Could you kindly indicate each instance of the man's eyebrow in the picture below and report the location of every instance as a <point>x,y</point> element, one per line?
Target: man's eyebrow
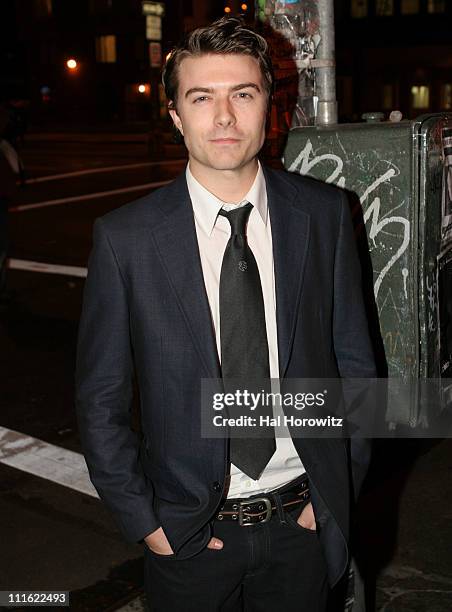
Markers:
<point>210,90</point>
<point>244,86</point>
<point>198,89</point>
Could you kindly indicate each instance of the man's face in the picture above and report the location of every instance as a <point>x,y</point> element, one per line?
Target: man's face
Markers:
<point>221,110</point>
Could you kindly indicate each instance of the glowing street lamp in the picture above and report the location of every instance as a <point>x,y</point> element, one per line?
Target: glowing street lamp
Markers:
<point>227,9</point>
<point>71,64</point>
<point>244,7</point>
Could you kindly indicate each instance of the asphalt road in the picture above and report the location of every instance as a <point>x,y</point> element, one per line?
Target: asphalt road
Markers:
<point>55,537</point>
<point>55,533</point>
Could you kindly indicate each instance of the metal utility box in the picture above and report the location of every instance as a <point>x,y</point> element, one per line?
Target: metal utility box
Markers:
<point>399,176</point>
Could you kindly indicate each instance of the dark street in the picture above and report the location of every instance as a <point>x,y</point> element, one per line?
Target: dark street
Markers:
<point>42,508</point>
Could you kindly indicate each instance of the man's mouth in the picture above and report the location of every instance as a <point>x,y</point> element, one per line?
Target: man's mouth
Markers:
<point>225,141</point>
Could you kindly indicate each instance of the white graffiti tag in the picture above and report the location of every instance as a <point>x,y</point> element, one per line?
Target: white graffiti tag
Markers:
<point>307,159</point>
<point>303,164</point>
<point>375,228</point>
<point>432,291</point>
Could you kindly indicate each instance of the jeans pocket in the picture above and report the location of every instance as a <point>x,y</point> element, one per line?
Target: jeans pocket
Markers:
<point>291,517</point>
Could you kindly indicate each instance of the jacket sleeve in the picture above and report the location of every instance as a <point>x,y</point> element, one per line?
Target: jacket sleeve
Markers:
<point>104,390</point>
<point>352,346</point>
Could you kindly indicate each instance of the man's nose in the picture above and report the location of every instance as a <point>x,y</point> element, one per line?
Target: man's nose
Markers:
<point>224,113</point>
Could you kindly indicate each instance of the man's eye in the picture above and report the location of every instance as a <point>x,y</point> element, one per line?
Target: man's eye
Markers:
<point>200,99</point>
<point>244,95</point>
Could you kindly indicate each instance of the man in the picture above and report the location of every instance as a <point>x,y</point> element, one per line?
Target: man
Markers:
<point>176,281</point>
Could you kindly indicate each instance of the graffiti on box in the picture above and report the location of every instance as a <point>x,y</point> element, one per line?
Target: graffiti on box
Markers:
<point>380,224</point>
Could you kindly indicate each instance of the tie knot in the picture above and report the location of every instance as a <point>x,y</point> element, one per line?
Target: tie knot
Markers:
<point>237,218</point>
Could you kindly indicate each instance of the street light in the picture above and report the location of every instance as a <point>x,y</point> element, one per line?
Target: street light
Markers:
<point>142,89</point>
<point>227,9</point>
<point>244,7</point>
<point>71,64</point>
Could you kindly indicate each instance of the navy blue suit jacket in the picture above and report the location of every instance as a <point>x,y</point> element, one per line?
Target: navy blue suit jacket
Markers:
<point>146,310</point>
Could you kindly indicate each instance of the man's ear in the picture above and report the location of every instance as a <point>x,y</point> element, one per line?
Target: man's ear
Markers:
<point>176,120</point>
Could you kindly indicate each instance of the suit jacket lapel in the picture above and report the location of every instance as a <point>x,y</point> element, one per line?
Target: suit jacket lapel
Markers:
<point>290,236</point>
<point>175,238</point>
<point>177,244</point>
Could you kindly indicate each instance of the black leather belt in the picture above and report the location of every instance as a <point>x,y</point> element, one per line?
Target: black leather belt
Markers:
<point>251,510</point>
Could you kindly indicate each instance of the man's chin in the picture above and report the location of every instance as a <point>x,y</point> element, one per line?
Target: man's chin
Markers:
<point>231,164</point>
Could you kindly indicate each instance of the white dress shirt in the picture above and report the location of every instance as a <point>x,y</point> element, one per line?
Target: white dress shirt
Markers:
<point>213,232</point>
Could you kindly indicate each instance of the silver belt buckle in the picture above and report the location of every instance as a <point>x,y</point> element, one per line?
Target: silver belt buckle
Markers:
<point>245,521</point>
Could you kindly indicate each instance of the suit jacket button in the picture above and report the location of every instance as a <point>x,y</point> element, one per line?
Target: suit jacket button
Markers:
<point>216,486</point>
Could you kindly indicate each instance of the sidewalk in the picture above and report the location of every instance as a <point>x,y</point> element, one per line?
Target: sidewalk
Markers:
<point>405,532</point>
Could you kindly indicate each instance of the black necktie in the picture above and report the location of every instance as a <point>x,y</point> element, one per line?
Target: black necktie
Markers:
<point>244,346</point>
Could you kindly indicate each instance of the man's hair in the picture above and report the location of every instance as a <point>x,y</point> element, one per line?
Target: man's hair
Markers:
<point>227,35</point>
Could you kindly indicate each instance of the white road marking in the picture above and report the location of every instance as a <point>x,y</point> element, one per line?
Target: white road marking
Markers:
<point>38,266</point>
<point>55,177</point>
<point>88,196</point>
<point>45,460</point>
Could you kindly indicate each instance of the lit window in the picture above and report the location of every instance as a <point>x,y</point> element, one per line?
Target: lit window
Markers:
<point>359,8</point>
<point>420,96</point>
<point>436,6</point>
<point>446,96</point>
<point>409,7</point>
<point>106,49</point>
<point>388,96</point>
<point>384,8</point>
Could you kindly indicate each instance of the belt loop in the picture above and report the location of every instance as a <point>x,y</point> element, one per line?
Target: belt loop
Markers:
<point>279,508</point>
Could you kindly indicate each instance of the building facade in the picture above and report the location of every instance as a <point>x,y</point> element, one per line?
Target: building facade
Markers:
<point>91,60</point>
<point>393,55</point>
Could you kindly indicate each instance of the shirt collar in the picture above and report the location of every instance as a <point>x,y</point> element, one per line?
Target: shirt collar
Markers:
<point>206,206</point>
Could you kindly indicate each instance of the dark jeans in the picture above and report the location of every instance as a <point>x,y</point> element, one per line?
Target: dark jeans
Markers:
<point>261,568</point>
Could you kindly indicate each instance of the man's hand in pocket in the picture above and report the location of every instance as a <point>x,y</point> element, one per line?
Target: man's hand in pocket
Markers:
<point>158,542</point>
<point>215,544</point>
<point>307,518</point>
